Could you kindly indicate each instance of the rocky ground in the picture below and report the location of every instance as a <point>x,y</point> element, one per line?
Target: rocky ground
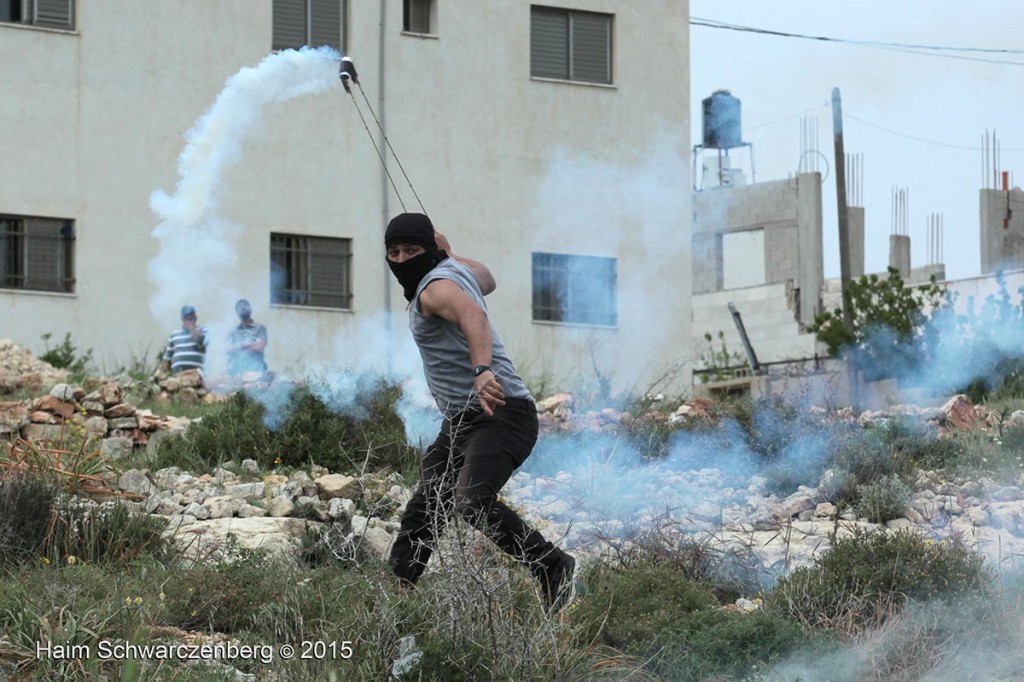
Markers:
<point>591,505</point>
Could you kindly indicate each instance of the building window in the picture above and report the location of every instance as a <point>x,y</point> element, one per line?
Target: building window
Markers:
<point>308,22</point>
<point>418,16</point>
<point>570,45</point>
<point>313,271</point>
<point>45,13</point>
<point>576,289</point>
<point>37,254</point>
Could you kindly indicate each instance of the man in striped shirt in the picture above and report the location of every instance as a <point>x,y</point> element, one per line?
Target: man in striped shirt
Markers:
<point>186,349</point>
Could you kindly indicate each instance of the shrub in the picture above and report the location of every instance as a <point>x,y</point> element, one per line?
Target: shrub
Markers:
<point>719,644</point>
<point>112,533</point>
<point>234,429</point>
<point>26,505</point>
<point>221,596</point>
<point>883,500</point>
<point>637,606</point>
<point>650,433</point>
<point>889,331</point>
<point>65,355</point>
<point>865,577</point>
<point>37,521</point>
<point>838,486</point>
<point>309,432</point>
<point>792,444</point>
<point>872,454</point>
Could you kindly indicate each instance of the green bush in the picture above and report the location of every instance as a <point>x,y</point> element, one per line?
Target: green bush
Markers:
<point>109,534</point>
<point>866,577</point>
<point>650,433</point>
<point>883,500</point>
<point>221,596</point>
<point>309,432</point>
<point>715,644</point>
<point>793,445</point>
<point>889,332</point>
<point>38,522</point>
<point>629,610</point>
<point>65,355</point>
<point>872,454</point>
<point>839,486</point>
<point>25,516</point>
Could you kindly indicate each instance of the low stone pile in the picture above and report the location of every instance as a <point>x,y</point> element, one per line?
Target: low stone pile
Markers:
<point>270,511</point>
<point>187,385</point>
<point>100,415</point>
<point>588,506</point>
<point>20,369</point>
<point>558,413</point>
<point>733,514</point>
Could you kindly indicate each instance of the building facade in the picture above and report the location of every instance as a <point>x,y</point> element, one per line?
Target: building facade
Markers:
<point>549,141</point>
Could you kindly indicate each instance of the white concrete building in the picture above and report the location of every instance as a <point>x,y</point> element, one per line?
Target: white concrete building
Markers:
<point>548,140</point>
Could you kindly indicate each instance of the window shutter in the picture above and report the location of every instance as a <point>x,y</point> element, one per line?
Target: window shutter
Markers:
<point>416,14</point>
<point>549,44</point>
<point>54,13</point>
<point>43,245</point>
<point>325,23</point>
<point>591,43</point>
<point>289,24</point>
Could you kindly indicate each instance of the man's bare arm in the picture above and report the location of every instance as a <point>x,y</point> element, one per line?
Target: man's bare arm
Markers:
<point>443,298</point>
<point>481,272</point>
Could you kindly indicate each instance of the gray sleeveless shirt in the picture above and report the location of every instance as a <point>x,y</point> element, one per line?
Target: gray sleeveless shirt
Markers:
<point>445,350</point>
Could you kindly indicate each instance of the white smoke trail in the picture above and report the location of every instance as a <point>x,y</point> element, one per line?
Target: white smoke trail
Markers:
<point>197,247</point>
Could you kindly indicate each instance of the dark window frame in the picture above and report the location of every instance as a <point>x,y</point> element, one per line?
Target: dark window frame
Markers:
<point>312,32</point>
<point>301,265</point>
<point>32,245</point>
<point>573,289</point>
<point>573,55</point>
<point>419,16</point>
<point>57,14</point>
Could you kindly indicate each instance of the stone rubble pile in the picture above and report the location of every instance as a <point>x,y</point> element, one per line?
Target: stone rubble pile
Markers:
<point>69,411</point>
<point>586,509</point>
<point>270,511</point>
<point>734,513</point>
<point>20,369</point>
<point>731,514</point>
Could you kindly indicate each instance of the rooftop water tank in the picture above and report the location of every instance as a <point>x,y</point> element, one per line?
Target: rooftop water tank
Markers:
<point>722,121</point>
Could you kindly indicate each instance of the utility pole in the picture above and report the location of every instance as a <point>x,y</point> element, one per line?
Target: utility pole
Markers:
<point>844,234</point>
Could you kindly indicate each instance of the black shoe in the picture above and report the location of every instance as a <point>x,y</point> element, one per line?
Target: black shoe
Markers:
<point>559,584</point>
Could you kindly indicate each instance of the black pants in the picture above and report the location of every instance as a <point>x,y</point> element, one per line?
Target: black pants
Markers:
<point>463,470</point>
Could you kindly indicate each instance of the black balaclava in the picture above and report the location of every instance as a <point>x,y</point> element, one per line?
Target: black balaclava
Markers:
<point>243,310</point>
<point>413,228</point>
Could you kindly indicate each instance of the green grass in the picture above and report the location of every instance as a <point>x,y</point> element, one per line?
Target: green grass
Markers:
<point>654,609</point>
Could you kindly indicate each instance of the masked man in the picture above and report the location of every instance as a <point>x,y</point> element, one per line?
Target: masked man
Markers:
<point>490,420</point>
<point>247,342</point>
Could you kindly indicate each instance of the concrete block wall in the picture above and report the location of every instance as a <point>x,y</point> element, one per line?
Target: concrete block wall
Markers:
<point>782,251</point>
<point>789,213</point>
<point>707,263</point>
<point>767,316</point>
<point>1002,243</point>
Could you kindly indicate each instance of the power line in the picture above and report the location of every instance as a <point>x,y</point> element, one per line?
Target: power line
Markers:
<point>913,48</point>
<point>786,118</point>
<point>949,145</point>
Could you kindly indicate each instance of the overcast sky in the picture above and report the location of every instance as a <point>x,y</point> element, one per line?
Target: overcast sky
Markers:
<point>948,103</point>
